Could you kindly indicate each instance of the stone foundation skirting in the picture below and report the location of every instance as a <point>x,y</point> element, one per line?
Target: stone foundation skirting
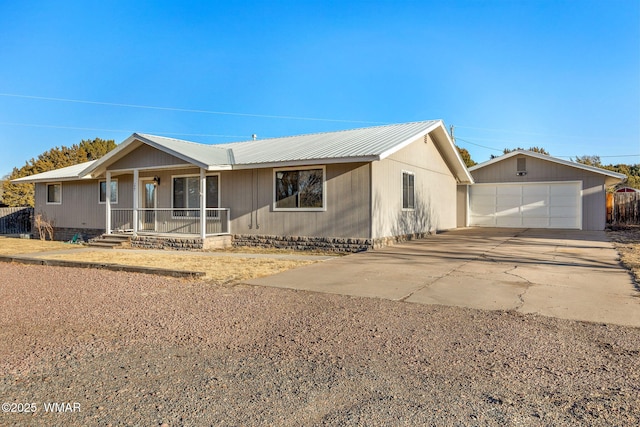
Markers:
<point>64,234</point>
<point>299,243</point>
<point>180,243</point>
<point>162,242</point>
<point>329,244</point>
<point>392,240</point>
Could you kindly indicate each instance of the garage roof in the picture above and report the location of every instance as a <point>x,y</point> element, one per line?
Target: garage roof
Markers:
<point>610,174</point>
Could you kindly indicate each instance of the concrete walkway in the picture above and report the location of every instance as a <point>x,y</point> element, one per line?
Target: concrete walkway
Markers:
<point>559,273</point>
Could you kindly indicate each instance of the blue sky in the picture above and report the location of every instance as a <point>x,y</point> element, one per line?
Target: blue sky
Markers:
<point>564,75</point>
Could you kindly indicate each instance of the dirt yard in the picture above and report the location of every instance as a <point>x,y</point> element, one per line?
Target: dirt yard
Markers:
<point>217,267</point>
<point>135,349</point>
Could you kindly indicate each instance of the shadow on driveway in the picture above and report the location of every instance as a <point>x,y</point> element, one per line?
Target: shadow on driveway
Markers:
<point>568,274</point>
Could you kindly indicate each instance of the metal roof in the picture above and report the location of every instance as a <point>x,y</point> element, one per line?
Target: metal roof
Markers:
<point>190,151</point>
<point>63,174</point>
<point>548,158</point>
<point>355,145</point>
<point>366,143</point>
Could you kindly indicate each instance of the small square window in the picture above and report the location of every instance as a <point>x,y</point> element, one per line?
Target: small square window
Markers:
<point>54,194</point>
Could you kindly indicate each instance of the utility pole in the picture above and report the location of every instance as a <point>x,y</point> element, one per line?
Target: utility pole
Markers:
<point>453,138</point>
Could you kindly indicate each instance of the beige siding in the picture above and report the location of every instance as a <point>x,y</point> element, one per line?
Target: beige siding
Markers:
<point>146,156</point>
<point>435,188</point>
<point>164,191</point>
<point>462,203</point>
<point>538,170</point>
<point>79,208</point>
<point>249,194</point>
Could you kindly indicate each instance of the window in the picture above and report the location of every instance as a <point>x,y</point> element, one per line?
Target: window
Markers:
<point>408,191</point>
<point>186,194</point>
<point>299,189</point>
<point>114,191</point>
<point>54,194</point>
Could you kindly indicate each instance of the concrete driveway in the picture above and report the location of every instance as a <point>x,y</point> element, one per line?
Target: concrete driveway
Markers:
<point>559,273</point>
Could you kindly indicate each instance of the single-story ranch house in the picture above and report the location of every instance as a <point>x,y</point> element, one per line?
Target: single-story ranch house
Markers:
<point>348,190</point>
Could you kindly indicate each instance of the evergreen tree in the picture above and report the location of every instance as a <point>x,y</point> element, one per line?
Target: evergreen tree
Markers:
<point>56,158</point>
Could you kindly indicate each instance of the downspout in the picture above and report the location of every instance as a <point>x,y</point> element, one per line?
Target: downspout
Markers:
<point>251,213</point>
<point>136,197</point>
<point>257,198</point>
<point>108,203</point>
<point>203,205</point>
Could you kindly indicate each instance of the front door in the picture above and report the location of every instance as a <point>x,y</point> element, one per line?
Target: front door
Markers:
<point>149,199</point>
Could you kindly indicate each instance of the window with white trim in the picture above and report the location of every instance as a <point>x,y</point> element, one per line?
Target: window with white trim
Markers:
<point>299,189</point>
<point>186,194</point>
<point>54,193</point>
<point>408,191</point>
<point>103,191</point>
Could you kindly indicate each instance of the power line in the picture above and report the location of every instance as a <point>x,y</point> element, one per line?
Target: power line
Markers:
<point>525,132</point>
<point>185,110</point>
<point>120,130</point>
<point>478,145</point>
<point>496,149</point>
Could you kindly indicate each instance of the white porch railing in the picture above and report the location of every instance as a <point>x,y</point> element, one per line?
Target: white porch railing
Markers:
<point>171,221</point>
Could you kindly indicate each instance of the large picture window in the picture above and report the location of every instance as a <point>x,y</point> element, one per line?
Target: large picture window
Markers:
<point>114,191</point>
<point>299,189</point>
<point>54,194</point>
<point>408,191</point>
<point>186,194</point>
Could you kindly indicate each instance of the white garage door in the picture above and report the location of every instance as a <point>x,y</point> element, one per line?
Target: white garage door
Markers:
<point>531,205</point>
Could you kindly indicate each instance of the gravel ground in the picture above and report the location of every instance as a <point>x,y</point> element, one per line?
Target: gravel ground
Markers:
<point>135,349</point>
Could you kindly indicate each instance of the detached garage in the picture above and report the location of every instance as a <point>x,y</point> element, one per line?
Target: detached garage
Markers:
<point>532,190</point>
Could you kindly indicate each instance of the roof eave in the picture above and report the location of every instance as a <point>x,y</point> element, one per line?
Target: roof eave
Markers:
<point>306,162</point>
<point>25,180</point>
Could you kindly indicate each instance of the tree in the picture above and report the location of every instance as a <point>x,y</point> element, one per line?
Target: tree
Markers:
<point>631,171</point>
<point>588,160</point>
<point>58,157</point>
<point>534,149</point>
<point>466,157</point>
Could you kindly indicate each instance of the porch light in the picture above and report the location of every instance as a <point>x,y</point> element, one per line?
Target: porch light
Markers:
<point>156,179</point>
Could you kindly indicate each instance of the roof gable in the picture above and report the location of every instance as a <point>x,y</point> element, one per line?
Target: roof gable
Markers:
<point>607,173</point>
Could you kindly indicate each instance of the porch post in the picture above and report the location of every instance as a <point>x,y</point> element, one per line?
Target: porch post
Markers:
<point>108,202</point>
<point>203,205</point>
<point>135,201</point>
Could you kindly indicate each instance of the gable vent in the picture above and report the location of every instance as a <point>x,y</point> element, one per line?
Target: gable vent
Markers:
<point>521,166</point>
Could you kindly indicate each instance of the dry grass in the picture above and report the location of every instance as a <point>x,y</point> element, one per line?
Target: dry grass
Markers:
<point>278,251</point>
<point>627,242</point>
<point>15,246</point>
<point>219,269</point>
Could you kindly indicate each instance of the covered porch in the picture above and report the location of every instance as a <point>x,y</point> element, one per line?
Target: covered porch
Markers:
<point>164,202</point>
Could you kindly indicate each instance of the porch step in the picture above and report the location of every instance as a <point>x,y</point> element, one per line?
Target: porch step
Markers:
<point>111,241</point>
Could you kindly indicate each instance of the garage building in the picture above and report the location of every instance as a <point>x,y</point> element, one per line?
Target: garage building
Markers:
<point>533,190</point>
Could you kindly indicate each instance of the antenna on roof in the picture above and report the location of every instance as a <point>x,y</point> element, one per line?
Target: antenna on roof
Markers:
<point>254,136</point>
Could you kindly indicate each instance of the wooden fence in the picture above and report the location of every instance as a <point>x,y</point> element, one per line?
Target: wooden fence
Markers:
<point>15,220</point>
<point>623,208</point>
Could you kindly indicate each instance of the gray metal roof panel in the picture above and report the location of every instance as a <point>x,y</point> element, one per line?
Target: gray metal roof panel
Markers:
<point>549,158</point>
<point>354,143</point>
<point>66,173</point>
<point>207,154</point>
